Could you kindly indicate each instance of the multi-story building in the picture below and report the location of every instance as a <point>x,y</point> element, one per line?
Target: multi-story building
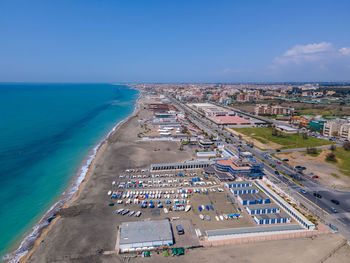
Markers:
<point>262,109</point>
<point>280,110</point>
<point>332,128</point>
<point>301,121</point>
<point>316,125</point>
<point>344,131</point>
<point>241,97</point>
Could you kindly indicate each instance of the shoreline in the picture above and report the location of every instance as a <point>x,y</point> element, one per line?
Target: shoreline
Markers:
<point>29,243</point>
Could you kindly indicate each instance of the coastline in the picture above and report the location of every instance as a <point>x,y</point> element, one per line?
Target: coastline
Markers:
<point>37,233</point>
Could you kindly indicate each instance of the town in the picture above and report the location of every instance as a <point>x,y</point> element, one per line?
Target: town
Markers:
<point>255,171</point>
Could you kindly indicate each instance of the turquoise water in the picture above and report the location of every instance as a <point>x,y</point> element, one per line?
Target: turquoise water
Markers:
<point>46,132</point>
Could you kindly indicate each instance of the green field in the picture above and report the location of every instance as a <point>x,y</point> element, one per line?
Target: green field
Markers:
<point>343,160</point>
<point>288,141</point>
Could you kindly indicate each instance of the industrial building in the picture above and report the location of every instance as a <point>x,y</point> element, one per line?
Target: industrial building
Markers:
<point>265,219</point>
<point>253,199</point>
<point>263,209</point>
<point>247,167</point>
<point>301,219</point>
<point>186,165</point>
<point>244,190</point>
<point>145,234</point>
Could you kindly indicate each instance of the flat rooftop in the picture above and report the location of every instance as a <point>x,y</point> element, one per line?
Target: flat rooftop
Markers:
<point>268,216</point>
<point>247,230</point>
<point>263,206</point>
<point>233,166</point>
<point>145,231</point>
<point>244,188</point>
<point>231,120</point>
<point>254,196</point>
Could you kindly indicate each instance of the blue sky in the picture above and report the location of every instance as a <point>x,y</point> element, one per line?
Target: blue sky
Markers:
<point>174,41</point>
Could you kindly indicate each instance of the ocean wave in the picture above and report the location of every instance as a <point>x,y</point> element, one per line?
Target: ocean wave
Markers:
<point>28,242</point>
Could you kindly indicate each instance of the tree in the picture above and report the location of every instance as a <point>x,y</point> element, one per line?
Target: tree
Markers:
<point>332,148</point>
<point>274,132</point>
<point>331,157</point>
<point>313,129</point>
<point>346,146</point>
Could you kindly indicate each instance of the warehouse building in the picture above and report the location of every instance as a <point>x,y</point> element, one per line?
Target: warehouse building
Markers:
<point>253,199</point>
<point>301,219</point>
<point>175,166</point>
<point>266,219</point>
<point>244,190</point>
<point>145,234</point>
<point>263,209</point>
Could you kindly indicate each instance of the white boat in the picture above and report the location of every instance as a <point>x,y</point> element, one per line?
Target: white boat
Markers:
<point>165,210</point>
<point>217,218</point>
<point>201,216</point>
<point>109,192</point>
<point>187,208</point>
<point>131,213</point>
<point>221,217</point>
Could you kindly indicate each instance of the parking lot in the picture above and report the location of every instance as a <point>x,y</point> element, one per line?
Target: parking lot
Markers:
<point>177,195</point>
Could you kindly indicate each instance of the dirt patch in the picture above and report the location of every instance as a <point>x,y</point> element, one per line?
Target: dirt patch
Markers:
<point>260,145</point>
<point>329,174</point>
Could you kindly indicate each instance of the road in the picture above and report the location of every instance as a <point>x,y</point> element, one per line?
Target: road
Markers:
<point>322,207</point>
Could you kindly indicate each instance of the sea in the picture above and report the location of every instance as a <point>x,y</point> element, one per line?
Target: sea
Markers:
<point>49,134</point>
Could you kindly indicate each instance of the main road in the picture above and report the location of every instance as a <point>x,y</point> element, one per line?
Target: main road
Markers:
<point>302,191</point>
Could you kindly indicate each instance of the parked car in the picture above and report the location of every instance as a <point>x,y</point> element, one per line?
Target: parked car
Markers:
<point>334,210</point>
<point>285,159</point>
<point>303,191</point>
<point>180,230</point>
<point>277,173</point>
<point>334,201</point>
<point>315,176</point>
<point>317,195</point>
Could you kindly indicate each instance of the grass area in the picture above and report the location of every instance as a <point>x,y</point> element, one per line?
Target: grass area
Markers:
<point>335,175</point>
<point>343,162</point>
<point>315,112</point>
<point>288,141</point>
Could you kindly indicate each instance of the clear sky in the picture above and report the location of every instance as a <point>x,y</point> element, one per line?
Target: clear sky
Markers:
<point>174,40</point>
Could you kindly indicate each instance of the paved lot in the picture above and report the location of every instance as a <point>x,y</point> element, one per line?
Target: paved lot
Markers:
<point>189,238</point>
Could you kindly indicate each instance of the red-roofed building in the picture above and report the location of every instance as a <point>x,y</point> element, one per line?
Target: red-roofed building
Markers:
<point>232,120</point>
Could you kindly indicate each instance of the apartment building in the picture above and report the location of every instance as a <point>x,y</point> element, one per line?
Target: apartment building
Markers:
<point>337,128</point>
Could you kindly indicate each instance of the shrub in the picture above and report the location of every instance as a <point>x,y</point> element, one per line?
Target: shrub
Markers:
<point>311,150</point>
<point>346,146</point>
<point>331,157</point>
